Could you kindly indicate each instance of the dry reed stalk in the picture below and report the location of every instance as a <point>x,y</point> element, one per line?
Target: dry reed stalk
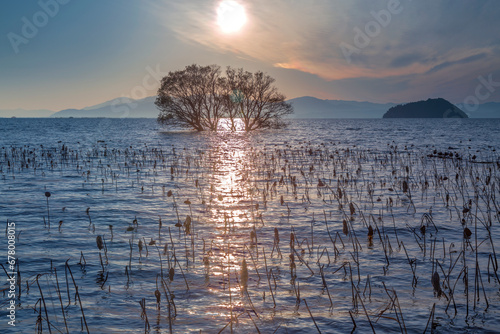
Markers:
<point>369,286</point>
<point>353,321</point>
<point>397,308</point>
<point>325,285</point>
<point>304,262</point>
<point>244,274</point>
<point>411,263</point>
<point>144,316</point>
<point>229,286</point>
<point>77,294</point>
<point>170,302</point>
<point>431,319</point>
<point>364,308</point>
<point>161,262</point>
<point>268,279</point>
<point>47,195</point>
<point>254,264</point>
<point>43,300</point>
<point>452,292</point>
<point>229,323</point>
<point>310,314</point>
<point>255,325</point>
<point>182,271</point>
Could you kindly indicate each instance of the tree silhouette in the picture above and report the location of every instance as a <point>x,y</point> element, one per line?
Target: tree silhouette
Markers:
<point>192,97</point>
<point>262,106</point>
<point>199,96</point>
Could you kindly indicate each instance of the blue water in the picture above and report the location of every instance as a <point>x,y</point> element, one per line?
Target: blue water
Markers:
<point>368,133</point>
<point>118,172</point>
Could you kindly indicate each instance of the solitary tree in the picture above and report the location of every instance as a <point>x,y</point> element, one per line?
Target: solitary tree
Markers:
<point>198,97</point>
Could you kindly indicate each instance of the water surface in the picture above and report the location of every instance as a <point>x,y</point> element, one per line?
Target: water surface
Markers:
<point>112,179</point>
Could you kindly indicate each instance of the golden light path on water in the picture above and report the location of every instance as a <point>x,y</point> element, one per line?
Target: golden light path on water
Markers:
<point>231,211</point>
<point>236,185</point>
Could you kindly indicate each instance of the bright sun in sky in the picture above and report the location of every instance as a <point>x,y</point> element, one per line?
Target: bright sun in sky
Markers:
<point>231,16</point>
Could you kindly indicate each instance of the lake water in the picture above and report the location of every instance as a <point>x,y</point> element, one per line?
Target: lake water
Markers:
<point>295,203</point>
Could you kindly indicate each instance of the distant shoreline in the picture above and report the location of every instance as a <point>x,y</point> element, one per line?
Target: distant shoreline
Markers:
<point>306,107</point>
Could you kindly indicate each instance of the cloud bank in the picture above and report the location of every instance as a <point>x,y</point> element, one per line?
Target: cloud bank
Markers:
<point>421,43</point>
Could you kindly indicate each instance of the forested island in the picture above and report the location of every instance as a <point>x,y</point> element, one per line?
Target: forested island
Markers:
<point>432,108</point>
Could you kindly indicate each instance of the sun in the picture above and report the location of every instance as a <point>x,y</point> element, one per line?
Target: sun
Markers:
<point>231,16</point>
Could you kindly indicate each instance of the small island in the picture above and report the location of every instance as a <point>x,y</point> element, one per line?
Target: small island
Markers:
<point>432,108</point>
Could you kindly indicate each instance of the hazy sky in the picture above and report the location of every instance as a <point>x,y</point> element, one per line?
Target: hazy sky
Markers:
<point>57,54</point>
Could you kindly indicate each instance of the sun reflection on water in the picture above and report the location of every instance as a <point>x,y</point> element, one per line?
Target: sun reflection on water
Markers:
<point>231,208</point>
<point>233,125</point>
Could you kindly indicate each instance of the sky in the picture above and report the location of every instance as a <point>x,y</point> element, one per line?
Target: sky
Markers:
<point>58,54</point>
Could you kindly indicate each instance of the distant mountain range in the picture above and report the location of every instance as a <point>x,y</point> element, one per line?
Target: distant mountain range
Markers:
<point>117,108</point>
<point>305,107</point>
